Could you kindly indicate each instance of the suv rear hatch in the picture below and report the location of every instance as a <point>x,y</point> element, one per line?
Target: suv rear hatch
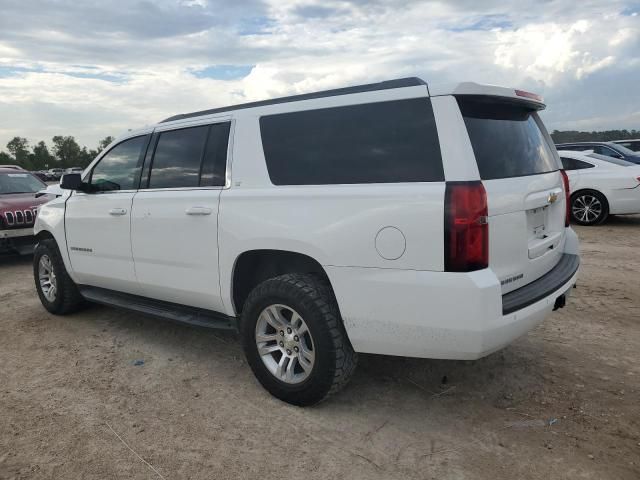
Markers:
<point>520,171</point>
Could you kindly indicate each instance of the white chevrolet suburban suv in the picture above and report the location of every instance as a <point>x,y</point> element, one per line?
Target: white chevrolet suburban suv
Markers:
<point>396,218</point>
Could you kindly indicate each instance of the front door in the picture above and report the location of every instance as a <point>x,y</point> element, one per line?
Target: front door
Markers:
<point>174,234</point>
<point>98,223</point>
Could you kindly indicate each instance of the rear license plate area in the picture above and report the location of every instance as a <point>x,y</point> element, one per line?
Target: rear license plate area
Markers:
<point>537,222</point>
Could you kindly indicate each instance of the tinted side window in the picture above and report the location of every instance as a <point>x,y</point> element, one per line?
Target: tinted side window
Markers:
<point>384,142</point>
<point>574,164</point>
<point>568,163</point>
<point>177,159</point>
<point>214,165</point>
<point>508,139</point>
<point>580,165</point>
<point>119,169</point>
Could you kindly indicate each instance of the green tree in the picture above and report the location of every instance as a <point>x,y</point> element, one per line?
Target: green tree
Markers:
<point>6,159</point>
<point>104,142</point>
<point>19,149</point>
<point>41,159</point>
<point>67,151</point>
<point>603,136</point>
<point>86,157</point>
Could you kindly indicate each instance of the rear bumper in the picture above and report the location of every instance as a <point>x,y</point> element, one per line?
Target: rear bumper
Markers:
<point>542,287</point>
<point>441,314</point>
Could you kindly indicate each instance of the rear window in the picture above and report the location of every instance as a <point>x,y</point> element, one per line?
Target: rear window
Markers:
<point>508,140</point>
<point>386,142</point>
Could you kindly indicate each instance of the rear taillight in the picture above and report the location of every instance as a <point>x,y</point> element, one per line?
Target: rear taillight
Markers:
<point>567,197</point>
<point>466,232</point>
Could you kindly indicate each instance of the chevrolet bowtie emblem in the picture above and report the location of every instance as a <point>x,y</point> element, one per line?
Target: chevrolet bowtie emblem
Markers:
<point>552,197</point>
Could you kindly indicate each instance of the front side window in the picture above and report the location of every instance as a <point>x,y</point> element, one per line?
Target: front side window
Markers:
<point>384,142</point>
<point>119,169</point>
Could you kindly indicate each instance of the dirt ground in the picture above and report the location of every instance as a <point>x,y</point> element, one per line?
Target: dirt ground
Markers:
<point>562,402</point>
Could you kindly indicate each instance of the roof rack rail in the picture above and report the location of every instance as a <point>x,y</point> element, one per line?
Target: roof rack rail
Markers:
<point>370,87</point>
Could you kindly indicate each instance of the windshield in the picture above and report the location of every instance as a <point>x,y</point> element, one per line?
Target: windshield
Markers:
<point>19,183</point>
<point>622,149</point>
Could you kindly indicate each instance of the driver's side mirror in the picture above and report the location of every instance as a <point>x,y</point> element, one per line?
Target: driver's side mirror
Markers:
<point>73,181</point>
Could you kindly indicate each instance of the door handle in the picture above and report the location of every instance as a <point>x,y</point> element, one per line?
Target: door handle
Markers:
<point>118,211</point>
<point>198,211</point>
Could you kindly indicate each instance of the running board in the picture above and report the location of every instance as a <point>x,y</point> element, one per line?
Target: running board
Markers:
<point>158,308</point>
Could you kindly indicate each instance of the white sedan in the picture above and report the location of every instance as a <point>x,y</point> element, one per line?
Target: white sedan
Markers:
<point>600,186</point>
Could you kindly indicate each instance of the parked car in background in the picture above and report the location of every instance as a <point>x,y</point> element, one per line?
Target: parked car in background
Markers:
<point>56,173</point>
<point>13,167</point>
<point>41,175</point>
<point>608,149</point>
<point>600,186</point>
<point>18,209</point>
<point>630,144</point>
<point>74,170</point>
<point>388,218</point>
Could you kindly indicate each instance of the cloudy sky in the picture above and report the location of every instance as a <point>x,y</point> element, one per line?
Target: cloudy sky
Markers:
<point>93,68</point>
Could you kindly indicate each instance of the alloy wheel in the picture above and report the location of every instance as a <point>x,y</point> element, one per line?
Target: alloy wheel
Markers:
<point>285,344</point>
<point>587,208</point>
<point>47,278</point>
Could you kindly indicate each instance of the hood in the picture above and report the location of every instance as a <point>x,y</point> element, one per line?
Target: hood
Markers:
<point>21,201</point>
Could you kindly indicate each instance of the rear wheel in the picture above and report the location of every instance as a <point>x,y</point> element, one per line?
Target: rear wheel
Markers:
<point>294,340</point>
<point>589,207</point>
<point>57,292</point>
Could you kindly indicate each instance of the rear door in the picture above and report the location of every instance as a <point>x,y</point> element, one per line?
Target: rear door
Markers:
<point>520,171</point>
<point>174,233</point>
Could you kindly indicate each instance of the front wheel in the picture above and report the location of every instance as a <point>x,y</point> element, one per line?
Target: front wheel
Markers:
<point>294,340</point>
<point>57,292</point>
<point>589,208</point>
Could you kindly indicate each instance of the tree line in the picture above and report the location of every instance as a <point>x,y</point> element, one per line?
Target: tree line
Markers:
<point>604,136</point>
<point>65,153</point>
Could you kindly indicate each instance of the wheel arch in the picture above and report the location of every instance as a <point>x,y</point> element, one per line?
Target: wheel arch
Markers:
<point>44,235</point>
<point>252,267</point>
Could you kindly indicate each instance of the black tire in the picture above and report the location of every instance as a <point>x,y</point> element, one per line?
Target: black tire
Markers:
<point>580,199</point>
<point>312,298</point>
<point>67,298</point>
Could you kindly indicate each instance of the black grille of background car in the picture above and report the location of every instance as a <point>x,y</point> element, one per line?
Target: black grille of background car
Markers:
<point>19,218</point>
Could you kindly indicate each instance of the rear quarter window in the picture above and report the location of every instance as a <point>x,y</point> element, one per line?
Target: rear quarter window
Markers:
<point>385,142</point>
<point>508,139</point>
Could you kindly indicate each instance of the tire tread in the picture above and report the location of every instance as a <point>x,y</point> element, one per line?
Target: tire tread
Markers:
<point>71,300</point>
<point>316,292</point>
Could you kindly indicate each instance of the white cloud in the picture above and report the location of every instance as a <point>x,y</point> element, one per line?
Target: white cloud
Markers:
<point>98,69</point>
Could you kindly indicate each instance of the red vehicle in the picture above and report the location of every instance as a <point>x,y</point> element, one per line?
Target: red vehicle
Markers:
<point>18,209</point>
